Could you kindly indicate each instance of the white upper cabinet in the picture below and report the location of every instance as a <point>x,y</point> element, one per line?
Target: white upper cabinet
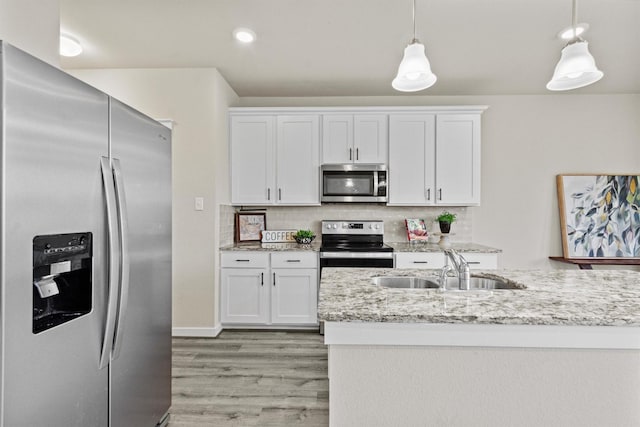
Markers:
<point>298,160</point>
<point>432,153</point>
<point>275,159</point>
<point>252,173</point>
<point>458,159</point>
<point>354,138</point>
<point>412,159</point>
<point>434,159</point>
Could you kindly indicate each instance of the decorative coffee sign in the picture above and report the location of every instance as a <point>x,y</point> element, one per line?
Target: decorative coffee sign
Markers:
<point>278,236</point>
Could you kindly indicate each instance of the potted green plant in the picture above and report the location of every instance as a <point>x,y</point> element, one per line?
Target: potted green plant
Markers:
<point>304,236</point>
<point>444,220</point>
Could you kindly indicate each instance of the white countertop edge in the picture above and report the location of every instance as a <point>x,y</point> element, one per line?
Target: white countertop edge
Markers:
<point>475,335</point>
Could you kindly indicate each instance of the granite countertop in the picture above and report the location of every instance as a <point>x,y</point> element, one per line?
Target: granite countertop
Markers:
<point>556,297</point>
<point>434,247</point>
<point>397,247</point>
<point>272,247</point>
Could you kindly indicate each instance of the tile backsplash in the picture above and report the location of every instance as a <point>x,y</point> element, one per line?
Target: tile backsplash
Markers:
<point>309,217</point>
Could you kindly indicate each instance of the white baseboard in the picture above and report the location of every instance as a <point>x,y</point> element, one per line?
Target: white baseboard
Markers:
<point>197,332</point>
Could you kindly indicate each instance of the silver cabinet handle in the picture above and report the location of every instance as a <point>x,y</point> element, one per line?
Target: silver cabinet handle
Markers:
<point>279,193</point>
<point>113,255</point>
<point>242,260</point>
<point>473,262</point>
<point>350,153</point>
<point>421,262</point>
<point>357,154</point>
<point>293,260</point>
<point>261,279</point>
<point>123,222</point>
<point>428,194</point>
<point>268,193</point>
<point>440,194</point>
<point>274,279</point>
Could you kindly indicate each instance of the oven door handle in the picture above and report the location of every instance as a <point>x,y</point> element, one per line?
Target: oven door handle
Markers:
<point>380,255</point>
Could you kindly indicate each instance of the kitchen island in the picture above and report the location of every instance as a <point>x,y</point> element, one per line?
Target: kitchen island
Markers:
<point>562,349</point>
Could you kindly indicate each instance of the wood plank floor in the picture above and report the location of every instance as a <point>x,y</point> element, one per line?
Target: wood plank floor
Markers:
<point>250,378</point>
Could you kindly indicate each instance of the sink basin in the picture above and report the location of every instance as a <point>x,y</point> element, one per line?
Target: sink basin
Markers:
<point>409,282</point>
<point>404,282</point>
<point>478,284</point>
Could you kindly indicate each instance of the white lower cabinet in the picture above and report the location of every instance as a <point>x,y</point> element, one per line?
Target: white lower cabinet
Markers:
<point>262,288</point>
<point>476,260</point>
<point>420,260</point>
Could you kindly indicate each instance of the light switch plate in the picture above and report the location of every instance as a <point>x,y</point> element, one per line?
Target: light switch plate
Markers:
<point>199,203</point>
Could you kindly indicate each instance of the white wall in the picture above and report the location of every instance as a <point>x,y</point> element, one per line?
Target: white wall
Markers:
<point>197,100</point>
<point>33,26</point>
<point>474,386</point>
<point>526,142</point>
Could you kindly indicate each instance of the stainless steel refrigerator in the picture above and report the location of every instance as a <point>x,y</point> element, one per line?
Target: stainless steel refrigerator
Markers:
<point>85,292</point>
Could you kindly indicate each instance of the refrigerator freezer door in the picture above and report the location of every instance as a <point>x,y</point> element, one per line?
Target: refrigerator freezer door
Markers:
<point>55,131</point>
<point>141,369</point>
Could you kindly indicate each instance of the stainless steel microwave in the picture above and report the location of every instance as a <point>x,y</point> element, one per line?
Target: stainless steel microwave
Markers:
<point>354,183</point>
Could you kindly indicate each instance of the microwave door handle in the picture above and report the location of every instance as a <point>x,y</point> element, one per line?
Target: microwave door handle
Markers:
<point>376,184</point>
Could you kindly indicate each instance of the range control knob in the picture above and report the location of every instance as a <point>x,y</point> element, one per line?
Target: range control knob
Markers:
<point>377,226</point>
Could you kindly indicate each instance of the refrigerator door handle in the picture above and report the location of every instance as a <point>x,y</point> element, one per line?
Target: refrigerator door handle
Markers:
<point>123,223</point>
<point>113,265</point>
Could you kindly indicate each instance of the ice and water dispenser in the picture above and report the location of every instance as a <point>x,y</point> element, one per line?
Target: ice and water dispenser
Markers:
<point>62,288</point>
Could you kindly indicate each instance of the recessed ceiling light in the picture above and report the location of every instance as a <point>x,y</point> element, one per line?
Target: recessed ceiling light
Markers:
<point>567,33</point>
<point>244,35</point>
<point>69,46</point>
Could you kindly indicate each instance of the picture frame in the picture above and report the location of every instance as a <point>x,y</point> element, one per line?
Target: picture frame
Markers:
<point>249,226</point>
<point>416,229</point>
<point>599,216</point>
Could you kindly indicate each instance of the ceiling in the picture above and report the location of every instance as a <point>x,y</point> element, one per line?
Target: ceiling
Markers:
<point>353,47</point>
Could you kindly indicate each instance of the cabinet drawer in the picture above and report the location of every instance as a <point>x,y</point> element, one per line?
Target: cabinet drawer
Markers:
<point>420,260</point>
<point>245,259</point>
<point>294,259</point>
<point>479,261</point>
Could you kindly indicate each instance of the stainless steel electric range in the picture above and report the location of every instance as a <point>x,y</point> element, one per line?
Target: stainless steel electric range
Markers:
<point>354,244</point>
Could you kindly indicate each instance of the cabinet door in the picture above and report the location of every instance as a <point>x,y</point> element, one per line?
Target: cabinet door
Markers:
<point>370,138</point>
<point>252,173</point>
<point>337,138</point>
<point>458,159</point>
<point>411,159</point>
<point>294,296</point>
<point>244,296</point>
<point>298,160</point>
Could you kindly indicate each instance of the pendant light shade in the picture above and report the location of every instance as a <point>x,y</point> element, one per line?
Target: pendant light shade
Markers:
<point>414,72</point>
<point>576,68</point>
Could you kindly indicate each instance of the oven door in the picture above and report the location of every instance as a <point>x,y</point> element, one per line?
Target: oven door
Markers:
<point>355,259</point>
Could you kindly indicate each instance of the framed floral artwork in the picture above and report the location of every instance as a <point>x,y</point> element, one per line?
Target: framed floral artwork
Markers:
<point>249,226</point>
<point>599,215</point>
<point>416,229</point>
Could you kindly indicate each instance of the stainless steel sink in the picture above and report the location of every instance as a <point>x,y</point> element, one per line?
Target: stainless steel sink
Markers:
<point>404,282</point>
<point>476,284</point>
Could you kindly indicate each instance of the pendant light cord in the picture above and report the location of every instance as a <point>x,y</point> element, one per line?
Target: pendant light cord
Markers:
<point>574,18</point>
<point>415,40</point>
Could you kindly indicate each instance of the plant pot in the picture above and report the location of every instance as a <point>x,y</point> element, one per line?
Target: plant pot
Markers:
<point>445,227</point>
<point>304,240</point>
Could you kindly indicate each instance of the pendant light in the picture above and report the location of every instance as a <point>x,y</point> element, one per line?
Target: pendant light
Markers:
<point>576,68</point>
<point>414,72</point>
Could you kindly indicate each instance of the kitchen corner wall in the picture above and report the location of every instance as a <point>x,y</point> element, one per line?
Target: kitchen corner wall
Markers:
<point>309,217</point>
<point>196,99</point>
<point>33,26</point>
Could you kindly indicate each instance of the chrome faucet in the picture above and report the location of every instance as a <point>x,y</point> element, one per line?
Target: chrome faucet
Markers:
<point>461,266</point>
